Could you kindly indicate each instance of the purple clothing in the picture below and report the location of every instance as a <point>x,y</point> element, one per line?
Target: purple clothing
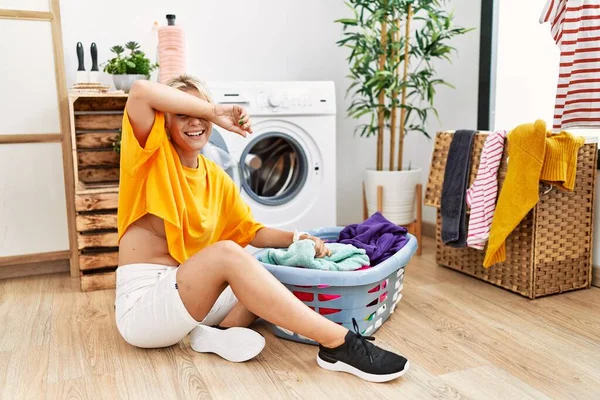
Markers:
<point>378,236</point>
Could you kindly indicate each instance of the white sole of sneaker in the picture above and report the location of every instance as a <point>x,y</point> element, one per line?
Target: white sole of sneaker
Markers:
<point>233,344</point>
<point>343,367</point>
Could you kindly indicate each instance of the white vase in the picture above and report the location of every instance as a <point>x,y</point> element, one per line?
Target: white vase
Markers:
<point>123,82</point>
<point>399,189</point>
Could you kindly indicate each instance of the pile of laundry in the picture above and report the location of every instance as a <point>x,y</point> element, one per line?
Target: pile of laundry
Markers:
<point>359,246</point>
<point>534,155</point>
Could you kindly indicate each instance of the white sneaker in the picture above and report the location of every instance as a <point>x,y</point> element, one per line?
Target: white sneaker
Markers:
<point>233,344</point>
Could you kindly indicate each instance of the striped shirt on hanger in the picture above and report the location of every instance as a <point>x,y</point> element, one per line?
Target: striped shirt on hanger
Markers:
<point>575,27</point>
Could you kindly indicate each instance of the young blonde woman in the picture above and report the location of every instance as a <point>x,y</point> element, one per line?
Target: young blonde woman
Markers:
<point>182,229</point>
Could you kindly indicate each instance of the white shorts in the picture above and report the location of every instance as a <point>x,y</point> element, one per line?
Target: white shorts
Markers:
<point>149,311</point>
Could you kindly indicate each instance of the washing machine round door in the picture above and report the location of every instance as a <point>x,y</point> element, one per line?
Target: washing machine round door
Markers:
<point>274,168</point>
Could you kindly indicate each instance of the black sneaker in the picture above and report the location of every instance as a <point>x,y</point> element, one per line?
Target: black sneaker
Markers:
<point>363,359</point>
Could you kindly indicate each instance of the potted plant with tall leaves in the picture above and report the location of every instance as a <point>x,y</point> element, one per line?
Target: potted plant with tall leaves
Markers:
<point>128,68</point>
<point>391,73</point>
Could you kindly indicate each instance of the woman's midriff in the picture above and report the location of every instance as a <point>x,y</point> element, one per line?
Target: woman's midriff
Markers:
<point>145,241</point>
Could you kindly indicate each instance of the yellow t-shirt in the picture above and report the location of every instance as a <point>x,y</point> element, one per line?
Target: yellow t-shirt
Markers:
<point>199,206</point>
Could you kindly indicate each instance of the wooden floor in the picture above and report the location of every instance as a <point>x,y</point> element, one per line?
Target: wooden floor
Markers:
<point>464,338</point>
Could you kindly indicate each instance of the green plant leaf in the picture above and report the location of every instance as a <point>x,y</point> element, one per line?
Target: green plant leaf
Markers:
<point>431,40</point>
<point>132,46</point>
<point>135,63</point>
<point>117,49</point>
<point>348,21</point>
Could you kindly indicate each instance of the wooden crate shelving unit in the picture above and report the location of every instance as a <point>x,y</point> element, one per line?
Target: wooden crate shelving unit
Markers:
<point>95,126</point>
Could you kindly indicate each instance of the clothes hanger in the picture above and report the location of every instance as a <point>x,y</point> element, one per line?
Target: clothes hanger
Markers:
<point>551,187</point>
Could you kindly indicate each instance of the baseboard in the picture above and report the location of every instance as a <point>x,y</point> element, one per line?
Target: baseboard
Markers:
<point>35,258</point>
<point>596,276</point>
<point>35,268</point>
<point>428,229</point>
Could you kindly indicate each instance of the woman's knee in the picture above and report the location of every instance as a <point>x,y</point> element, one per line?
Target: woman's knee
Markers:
<point>219,255</point>
<point>228,251</point>
<point>227,246</point>
<point>222,258</point>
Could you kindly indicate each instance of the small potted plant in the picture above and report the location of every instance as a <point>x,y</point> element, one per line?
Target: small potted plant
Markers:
<point>129,68</point>
<point>392,68</point>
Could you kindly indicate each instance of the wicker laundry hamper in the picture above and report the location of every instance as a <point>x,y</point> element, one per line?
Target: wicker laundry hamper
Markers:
<point>551,249</point>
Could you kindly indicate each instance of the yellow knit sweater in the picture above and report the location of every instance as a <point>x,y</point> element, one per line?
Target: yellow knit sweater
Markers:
<point>534,155</point>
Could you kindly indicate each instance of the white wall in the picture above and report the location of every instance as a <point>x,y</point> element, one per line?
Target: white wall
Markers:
<point>526,71</point>
<point>527,65</point>
<point>277,40</point>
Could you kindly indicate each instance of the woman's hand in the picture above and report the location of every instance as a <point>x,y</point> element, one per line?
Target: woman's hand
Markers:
<point>234,118</point>
<point>320,249</point>
<point>270,237</point>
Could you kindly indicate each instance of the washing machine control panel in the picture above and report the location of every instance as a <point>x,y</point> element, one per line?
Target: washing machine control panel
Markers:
<point>285,100</point>
<point>275,100</point>
<point>290,98</point>
<point>297,101</point>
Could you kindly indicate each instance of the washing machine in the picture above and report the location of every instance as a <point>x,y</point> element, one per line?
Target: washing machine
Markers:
<point>286,169</point>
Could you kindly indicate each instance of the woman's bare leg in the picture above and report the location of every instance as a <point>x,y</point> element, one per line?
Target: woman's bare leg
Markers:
<point>238,316</point>
<point>204,276</point>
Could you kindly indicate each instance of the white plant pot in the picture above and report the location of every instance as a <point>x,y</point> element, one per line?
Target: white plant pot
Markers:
<point>123,82</point>
<point>398,193</point>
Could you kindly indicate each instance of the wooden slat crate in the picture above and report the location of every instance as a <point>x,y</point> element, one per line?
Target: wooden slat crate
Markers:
<point>93,140</point>
<point>95,126</point>
<point>96,222</point>
<point>97,120</point>
<point>99,176</point>
<point>100,281</point>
